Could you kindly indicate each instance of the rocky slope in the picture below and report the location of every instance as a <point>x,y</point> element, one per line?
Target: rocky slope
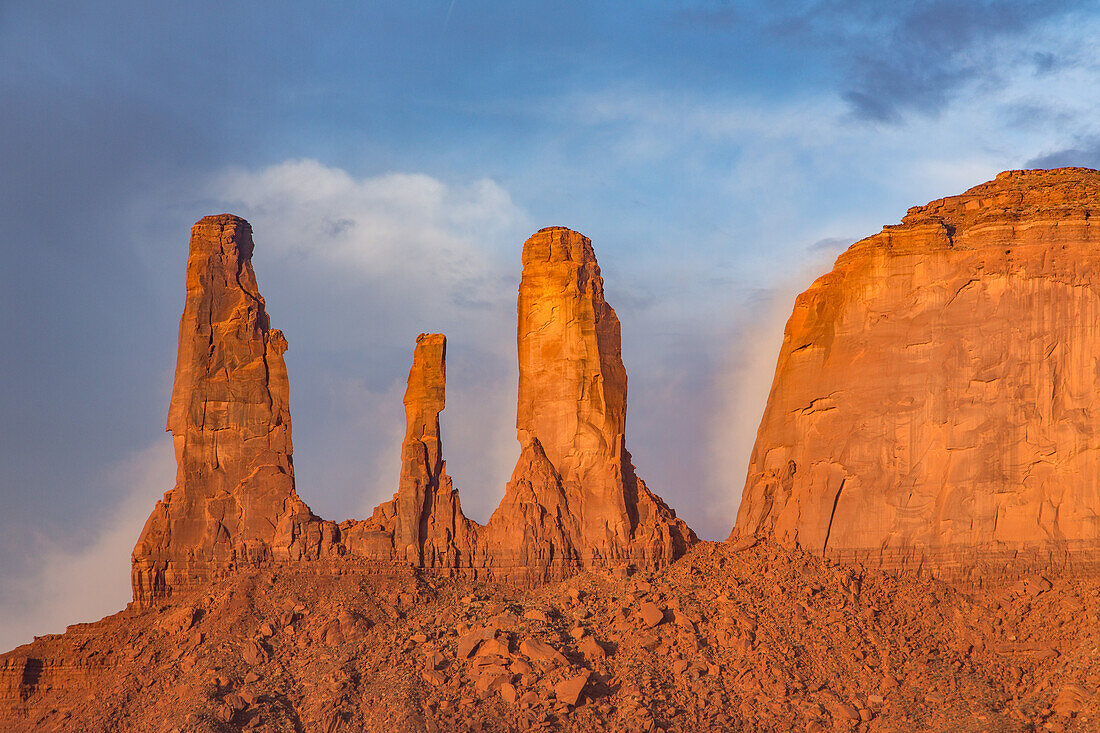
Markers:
<point>759,640</point>
<point>936,398</point>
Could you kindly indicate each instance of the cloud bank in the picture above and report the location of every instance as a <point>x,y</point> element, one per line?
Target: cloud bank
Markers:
<point>79,581</point>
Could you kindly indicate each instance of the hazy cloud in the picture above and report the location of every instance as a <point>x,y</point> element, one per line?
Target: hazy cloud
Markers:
<point>70,582</point>
<point>1085,154</point>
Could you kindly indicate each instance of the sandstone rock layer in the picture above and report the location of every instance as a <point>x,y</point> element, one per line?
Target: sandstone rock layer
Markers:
<point>936,402</point>
<point>234,501</point>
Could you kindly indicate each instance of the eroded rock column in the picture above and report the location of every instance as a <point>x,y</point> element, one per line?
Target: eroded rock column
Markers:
<point>423,525</point>
<point>234,501</point>
<point>572,400</point>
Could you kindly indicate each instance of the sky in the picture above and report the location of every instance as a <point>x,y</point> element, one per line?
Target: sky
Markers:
<point>392,157</point>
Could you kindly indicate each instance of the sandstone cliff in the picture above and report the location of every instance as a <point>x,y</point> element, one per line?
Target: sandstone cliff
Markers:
<point>234,501</point>
<point>937,394</point>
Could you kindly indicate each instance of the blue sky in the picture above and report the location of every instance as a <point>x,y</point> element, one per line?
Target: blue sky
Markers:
<point>392,157</point>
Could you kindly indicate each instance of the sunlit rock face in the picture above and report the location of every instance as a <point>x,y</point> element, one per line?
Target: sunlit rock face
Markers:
<point>937,397</point>
<point>234,501</point>
<point>573,501</point>
<point>572,402</point>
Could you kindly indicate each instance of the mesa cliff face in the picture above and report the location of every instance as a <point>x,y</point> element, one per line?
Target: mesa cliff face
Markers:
<point>936,395</point>
<point>234,502</point>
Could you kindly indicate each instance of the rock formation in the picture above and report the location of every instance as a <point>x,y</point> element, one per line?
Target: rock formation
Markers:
<point>573,501</point>
<point>532,535</point>
<point>234,501</point>
<point>572,413</point>
<point>423,525</point>
<point>937,394</point>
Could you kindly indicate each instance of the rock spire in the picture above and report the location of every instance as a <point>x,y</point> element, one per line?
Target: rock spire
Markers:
<point>574,501</point>
<point>423,525</point>
<point>572,410</point>
<point>234,501</point>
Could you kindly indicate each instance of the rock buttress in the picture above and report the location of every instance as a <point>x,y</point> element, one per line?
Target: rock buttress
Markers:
<point>937,395</point>
<point>234,501</point>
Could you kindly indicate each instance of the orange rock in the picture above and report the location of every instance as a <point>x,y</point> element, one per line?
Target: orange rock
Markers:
<point>423,525</point>
<point>234,502</point>
<point>573,501</point>
<point>508,692</point>
<point>569,690</point>
<point>934,400</point>
<point>531,534</point>
<point>650,614</point>
<point>592,649</point>
<point>539,651</point>
<point>571,419</point>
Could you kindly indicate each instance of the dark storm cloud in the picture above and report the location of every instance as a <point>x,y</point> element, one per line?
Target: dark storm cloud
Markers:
<point>1085,154</point>
<point>915,56</point>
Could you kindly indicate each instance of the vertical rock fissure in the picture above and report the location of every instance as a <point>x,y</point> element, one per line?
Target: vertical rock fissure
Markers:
<point>832,516</point>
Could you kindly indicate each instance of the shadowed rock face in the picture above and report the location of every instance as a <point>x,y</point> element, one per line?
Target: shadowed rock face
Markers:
<point>423,525</point>
<point>937,393</point>
<point>234,501</point>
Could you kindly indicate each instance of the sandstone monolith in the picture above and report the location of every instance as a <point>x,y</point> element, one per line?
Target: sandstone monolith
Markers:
<point>936,397</point>
<point>234,502</point>
<point>572,401</point>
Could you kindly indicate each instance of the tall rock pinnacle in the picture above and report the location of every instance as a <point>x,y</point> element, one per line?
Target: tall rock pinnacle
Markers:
<point>234,501</point>
<point>421,451</point>
<point>936,395</point>
<point>573,501</point>
<point>423,525</point>
<point>572,401</point>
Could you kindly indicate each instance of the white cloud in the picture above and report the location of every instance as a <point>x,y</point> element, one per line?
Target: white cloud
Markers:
<point>68,584</point>
<point>406,225</point>
<point>373,261</point>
